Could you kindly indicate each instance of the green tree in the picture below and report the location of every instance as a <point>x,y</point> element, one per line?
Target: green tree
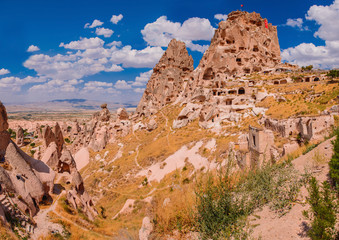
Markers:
<point>333,73</point>
<point>334,163</point>
<point>322,213</point>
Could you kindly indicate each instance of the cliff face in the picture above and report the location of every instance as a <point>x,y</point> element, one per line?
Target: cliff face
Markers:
<point>243,44</point>
<point>166,82</point>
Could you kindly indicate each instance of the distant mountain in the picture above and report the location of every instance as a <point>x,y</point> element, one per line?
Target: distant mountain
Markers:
<point>74,100</point>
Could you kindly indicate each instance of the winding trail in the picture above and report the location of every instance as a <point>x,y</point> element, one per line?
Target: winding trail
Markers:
<point>44,226</point>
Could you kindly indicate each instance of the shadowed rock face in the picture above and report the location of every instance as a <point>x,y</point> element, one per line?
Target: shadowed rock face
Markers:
<point>4,135</point>
<point>3,118</point>
<point>166,82</point>
<point>28,179</point>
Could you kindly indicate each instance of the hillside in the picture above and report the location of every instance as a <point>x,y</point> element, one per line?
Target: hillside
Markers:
<point>223,151</point>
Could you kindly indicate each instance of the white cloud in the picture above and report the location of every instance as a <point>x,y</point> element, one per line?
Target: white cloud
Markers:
<point>114,43</point>
<point>328,18</point>
<point>84,43</point>
<point>220,17</point>
<point>326,56</point>
<point>142,79</point>
<point>98,84</point>
<point>33,48</point>
<point>104,32</point>
<point>56,86</point>
<point>95,23</point>
<point>145,58</point>
<point>99,87</point>
<point>122,84</point>
<point>15,83</point>
<point>114,68</point>
<point>139,90</point>
<point>4,71</point>
<point>296,23</point>
<point>116,18</point>
<point>162,31</point>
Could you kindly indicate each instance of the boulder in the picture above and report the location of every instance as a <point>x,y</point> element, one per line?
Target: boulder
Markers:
<point>51,156</point>
<point>146,229</point>
<point>122,114</point>
<point>20,137</point>
<point>152,125</point>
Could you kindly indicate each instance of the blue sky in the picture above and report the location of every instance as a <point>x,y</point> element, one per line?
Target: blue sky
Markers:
<point>105,50</point>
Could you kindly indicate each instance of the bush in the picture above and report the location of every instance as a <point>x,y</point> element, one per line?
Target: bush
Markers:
<point>32,152</point>
<point>223,203</point>
<point>333,74</point>
<point>334,163</point>
<point>218,209</point>
<point>322,212</point>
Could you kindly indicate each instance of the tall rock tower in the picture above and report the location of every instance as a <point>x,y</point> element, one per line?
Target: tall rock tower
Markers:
<point>243,44</point>
<point>166,82</point>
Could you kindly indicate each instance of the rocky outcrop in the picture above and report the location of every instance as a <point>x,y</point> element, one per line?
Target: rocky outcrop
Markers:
<point>241,45</point>
<point>20,137</point>
<point>79,198</point>
<point>122,114</point>
<point>28,180</point>
<point>167,80</point>
<point>104,115</point>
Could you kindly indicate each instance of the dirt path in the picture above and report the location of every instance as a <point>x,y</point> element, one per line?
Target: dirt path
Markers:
<point>293,225</point>
<point>44,226</point>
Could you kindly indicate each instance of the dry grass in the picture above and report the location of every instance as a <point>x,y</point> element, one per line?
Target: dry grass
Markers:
<point>296,104</point>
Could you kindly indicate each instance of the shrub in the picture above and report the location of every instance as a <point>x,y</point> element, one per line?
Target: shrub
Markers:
<point>67,140</point>
<point>144,182</point>
<point>334,163</point>
<point>333,74</point>
<point>223,203</point>
<point>218,210</point>
<point>32,152</point>
<point>322,212</point>
<point>32,144</point>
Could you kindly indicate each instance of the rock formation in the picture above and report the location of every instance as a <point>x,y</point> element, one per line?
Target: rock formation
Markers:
<point>20,137</point>
<point>167,80</point>
<point>104,115</point>
<point>28,180</point>
<point>241,45</point>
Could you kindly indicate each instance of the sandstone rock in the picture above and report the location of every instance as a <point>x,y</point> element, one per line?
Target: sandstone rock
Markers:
<point>146,229</point>
<point>104,115</point>
<point>187,114</point>
<point>122,114</point>
<point>138,126</point>
<point>79,198</point>
<point>81,158</point>
<point>152,125</point>
<point>166,82</point>
<point>290,148</point>
<point>51,156</point>
<point>59,138</point>
<point>241,45</point>
<point>3,118</point>
<point>66,162</point>
<point>48,136</point>
<point>20,137</point>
